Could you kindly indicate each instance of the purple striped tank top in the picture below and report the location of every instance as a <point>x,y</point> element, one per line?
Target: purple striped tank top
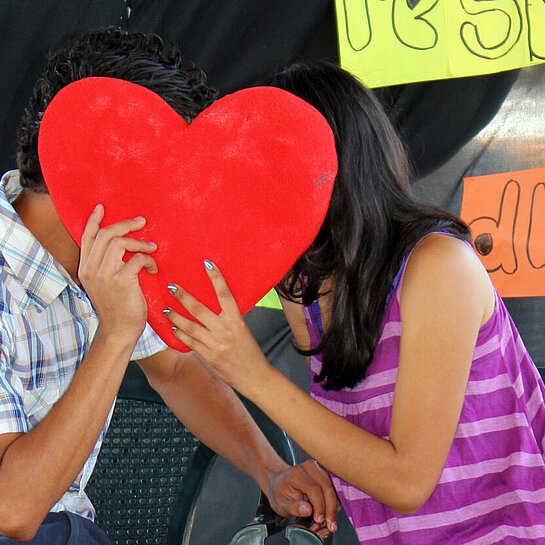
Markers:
<point>492,489</point>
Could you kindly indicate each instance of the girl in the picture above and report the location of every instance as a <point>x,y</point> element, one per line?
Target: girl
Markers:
<point>425,406</point>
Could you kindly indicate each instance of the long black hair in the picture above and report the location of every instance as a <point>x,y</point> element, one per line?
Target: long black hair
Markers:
<point>372,222</point>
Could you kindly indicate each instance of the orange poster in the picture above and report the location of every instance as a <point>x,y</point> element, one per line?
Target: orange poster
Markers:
<point>506,214</point>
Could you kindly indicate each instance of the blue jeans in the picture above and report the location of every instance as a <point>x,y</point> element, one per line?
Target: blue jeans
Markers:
<point>65,529</point>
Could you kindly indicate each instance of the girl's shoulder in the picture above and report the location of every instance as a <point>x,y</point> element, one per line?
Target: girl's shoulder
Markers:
<point>440,251</point>
<point>449,267</point>
<point>440,245</point>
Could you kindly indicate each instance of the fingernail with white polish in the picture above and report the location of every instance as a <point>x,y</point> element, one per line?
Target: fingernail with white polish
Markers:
<point>172,288</point>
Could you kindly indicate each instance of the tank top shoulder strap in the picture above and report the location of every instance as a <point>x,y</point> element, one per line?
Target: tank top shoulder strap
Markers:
<point>313,318</point>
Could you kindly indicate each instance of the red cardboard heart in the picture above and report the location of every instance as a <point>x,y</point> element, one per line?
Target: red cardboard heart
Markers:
<point>246,184</point>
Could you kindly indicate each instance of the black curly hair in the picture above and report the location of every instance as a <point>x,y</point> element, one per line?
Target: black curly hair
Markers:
<point>139,58</point>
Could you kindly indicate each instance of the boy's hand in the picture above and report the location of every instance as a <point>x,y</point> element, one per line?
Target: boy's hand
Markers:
<point>305,490</point>
<point>111,283</point>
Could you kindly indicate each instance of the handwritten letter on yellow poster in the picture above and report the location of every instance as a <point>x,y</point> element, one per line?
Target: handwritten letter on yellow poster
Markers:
<point>386,42</point>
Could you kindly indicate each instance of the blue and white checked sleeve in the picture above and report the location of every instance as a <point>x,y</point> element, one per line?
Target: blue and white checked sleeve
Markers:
<point>149,343</point>
<point>12,414</point>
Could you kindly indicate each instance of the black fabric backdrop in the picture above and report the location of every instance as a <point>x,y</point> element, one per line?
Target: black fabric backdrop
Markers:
<point>237,42</point>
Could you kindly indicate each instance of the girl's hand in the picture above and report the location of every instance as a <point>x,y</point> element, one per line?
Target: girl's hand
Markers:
<point>223,340</point>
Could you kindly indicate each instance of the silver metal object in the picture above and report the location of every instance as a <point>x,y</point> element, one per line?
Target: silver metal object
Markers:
<point>257,533</point>
<point>301,536</point>
<point>254,534</point>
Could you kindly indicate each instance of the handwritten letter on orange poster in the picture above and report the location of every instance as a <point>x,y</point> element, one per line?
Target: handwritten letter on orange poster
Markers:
<point>506,214</point>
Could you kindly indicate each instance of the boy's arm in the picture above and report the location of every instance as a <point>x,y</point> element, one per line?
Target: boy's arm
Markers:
<point>37,467</point>
<point>212,412</point>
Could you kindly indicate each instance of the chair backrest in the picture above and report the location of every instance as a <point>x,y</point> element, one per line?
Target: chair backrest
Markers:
<point>151,469</point>
<point>148,471</point>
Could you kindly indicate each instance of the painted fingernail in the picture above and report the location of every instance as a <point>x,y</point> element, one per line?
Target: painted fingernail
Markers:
<point>320,519</point>
<point>166,311</point>
<point>172,288</point>
<point>174,328</point>
<point>208,264</point>
<point>332,526</point>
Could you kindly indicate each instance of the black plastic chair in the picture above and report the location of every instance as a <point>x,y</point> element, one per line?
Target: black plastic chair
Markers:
<point>151,470</point>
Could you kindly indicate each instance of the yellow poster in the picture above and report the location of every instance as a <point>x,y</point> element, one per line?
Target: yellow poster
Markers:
<point>387,42</point>
<point>270,300</point>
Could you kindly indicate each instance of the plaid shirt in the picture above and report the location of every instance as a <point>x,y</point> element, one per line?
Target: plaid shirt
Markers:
<point>47,324</point>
